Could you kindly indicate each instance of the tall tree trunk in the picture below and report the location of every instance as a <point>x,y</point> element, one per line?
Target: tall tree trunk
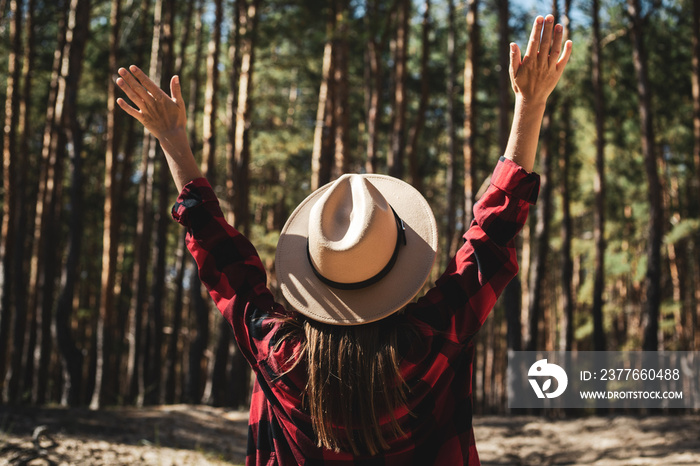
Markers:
<point>10,158</point>
<point>43,207</point>
<point>199,307</point>
<point>599,184</point>
<point>71,67</point>
<point>320,156</point>
<point>542,227</point>
<point>696,159</point>
<point>340,84</point>
<point>451,237</point>
<point>153,364</point>
<point>415,131</point>
<point>140,338</point>
<point>512,294</point>
<point>141,242</point>
<point>71,356</point>
<point>566,330</point>
<point>652,281</point>
<point>110,232</point>
<point>210,97</point>
<point>471,65</point>
<point>396,151</point>
<point>234,57</point>
<point>14,376</point>
<point>216,377</point>
<point>374,81</point>
<point>248,28</point>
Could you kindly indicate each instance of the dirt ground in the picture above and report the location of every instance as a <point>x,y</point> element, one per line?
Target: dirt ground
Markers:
<point>202,435</point>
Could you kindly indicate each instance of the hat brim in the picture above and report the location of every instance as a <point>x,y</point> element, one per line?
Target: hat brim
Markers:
<point>320,302</point>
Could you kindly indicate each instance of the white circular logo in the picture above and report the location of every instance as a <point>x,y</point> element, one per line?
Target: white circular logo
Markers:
<point>542,369</point>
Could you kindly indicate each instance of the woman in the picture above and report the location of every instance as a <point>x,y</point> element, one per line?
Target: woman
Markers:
<point>355,372</point>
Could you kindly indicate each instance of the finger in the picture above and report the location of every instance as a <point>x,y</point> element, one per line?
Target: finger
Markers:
<point>176,89</point>
<point>568,47</point>
<point>134,94</point>
<point>556,44</point>
<point>129,109</point>
<point>146,82</point>
<point>533,45</point>
<point>515,60</point>
<point>546,42</point>
<point>133,89</point>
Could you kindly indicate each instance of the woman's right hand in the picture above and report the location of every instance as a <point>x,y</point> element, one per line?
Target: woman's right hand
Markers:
<point>536,75</point>
<point>159,113</point>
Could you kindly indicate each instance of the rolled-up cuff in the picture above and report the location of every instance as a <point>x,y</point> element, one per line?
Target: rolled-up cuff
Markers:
<point>194,194</point>
<point>515,181</point>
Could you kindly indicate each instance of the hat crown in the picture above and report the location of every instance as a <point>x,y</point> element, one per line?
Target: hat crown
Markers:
<point>352,231</point>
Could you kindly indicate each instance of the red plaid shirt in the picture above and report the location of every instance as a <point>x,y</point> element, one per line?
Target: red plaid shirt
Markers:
<point>438,372</point>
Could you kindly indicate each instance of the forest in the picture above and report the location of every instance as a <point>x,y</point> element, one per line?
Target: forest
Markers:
<point>100,302</point>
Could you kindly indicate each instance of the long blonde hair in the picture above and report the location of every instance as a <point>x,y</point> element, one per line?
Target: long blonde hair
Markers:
<point>354,382</point>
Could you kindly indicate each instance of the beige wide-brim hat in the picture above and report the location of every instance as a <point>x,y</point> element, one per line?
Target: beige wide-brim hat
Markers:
<point>356,250</point>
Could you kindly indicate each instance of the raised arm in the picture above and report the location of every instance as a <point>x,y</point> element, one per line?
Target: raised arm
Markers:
<point>533,78</point>
<point>164,116</point>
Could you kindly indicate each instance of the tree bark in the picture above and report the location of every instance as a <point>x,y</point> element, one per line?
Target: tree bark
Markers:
<point>43,210</point>
<point>451,237</point>
<point>210,98</point>
<point>23,204</point>
<point>153,364</point>
<point>71,356</point>
<point>695,315</point>
<point>10,158</point>
<point>415,131</point>
<point>470,89</point>
<point>135,311</point>
<point>396,151</point>
<point>320,156</point>
<point>341,157</point>
<point>599,184</point>
<point>652,281</point>
<point>248,29</point>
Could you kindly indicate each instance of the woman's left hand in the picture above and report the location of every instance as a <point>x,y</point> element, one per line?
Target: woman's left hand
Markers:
<point>160,113</point>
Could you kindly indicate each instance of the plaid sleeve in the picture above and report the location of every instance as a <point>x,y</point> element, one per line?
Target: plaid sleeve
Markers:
<point>467,291</point>
<point>229,266</point>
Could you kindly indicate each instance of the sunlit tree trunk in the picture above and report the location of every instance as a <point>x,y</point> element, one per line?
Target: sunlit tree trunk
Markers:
<point>567,302</point>
<point>154,363</point>
<point>512,294</point>
<point>652,281</point>
<point>210,97</point>
<point>135,326</point>
<point>470,107</point>
<point>542,227</point>
<point>451,237</point>
<point>198,306</point>
<point>10,158</point>
<point>216,377</point>
<point>341,156</point>
<point>695,315</point>
<point>248,26</point>
<point>599,184</point>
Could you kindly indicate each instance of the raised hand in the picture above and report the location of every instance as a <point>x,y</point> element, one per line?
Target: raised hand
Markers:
<point>164,116</point>
<point>160,113</point>
<point>536,75</point>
